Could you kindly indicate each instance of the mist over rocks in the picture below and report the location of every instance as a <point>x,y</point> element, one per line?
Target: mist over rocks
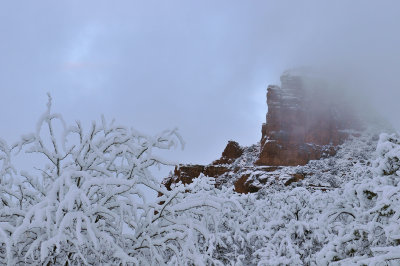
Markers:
<point>306,120</point>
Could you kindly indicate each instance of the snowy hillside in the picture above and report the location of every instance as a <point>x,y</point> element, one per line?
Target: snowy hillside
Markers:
<point>344,212</point>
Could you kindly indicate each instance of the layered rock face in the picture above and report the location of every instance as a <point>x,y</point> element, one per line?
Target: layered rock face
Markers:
<point>304,122</point>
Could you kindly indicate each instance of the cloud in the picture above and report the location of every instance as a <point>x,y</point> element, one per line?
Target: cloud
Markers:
<point>202,66</point>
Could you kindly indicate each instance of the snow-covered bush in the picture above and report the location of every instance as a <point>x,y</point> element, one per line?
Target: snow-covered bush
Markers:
<point>357,223</point>
<point>87,207</point>
<point>368,233</point>
<point>389,155</point>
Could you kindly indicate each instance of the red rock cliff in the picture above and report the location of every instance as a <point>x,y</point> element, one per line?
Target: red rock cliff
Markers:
<point>305,121</point>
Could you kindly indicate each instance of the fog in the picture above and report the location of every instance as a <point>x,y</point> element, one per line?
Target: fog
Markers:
<point>202,66</point>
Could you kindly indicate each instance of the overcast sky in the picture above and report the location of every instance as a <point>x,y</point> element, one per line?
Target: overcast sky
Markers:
<point>202,66</point>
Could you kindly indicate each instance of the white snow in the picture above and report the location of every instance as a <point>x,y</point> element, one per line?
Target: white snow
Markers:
<point>85,206</point>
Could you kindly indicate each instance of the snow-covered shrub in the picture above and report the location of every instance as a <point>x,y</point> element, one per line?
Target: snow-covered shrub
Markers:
<point>357,223</point>
<point>86,205</point>
<point>366,225</point>
<point>389,155</point>
<point>10,197</point>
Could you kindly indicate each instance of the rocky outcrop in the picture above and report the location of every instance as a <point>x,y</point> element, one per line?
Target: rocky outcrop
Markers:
<point>230,154</point>
<point>186,173</point>
<point>305,121</point>
<point>242,185</point>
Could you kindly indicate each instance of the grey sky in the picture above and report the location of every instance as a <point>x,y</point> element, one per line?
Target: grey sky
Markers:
<point>200,65</point>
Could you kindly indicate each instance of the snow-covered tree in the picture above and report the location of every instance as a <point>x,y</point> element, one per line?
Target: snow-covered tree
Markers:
<point>87,207</point>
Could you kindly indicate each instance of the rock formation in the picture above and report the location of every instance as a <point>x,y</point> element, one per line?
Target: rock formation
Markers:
<point>304,122</point>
